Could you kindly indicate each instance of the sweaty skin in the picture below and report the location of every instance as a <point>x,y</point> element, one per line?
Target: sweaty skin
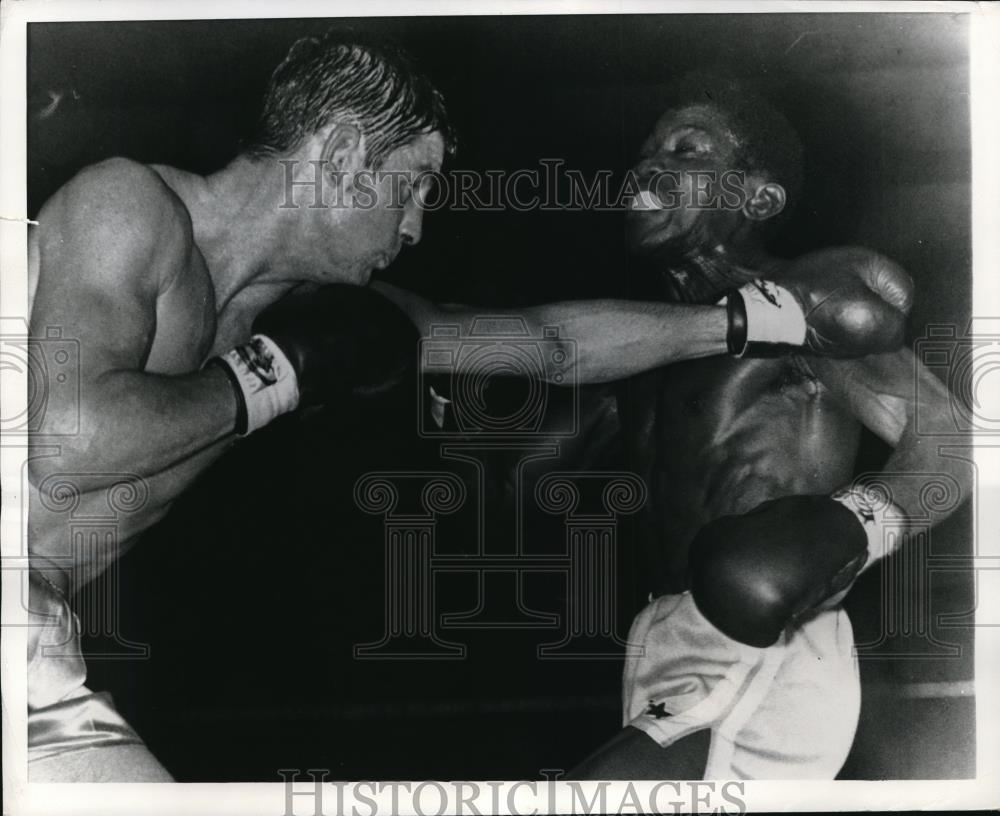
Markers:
<point>185,329</point>
<point>723,435</point>
<point>718,436</point>
<point>153,271</point>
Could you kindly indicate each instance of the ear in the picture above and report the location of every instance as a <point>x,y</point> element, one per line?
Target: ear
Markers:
<point>766,202</point>
<point>343,149</point>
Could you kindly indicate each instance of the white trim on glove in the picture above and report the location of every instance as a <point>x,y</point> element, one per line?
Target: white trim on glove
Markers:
<point>773,314</point>
<point>266,381</point>
<point>876,515</point>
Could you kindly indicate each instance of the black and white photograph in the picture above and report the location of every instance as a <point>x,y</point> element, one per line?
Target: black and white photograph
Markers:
<point>604,400</point>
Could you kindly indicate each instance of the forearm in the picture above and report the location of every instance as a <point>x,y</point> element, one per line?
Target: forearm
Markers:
<point>614,339</point>
<point>131,421</point>
<point>927,477</point>
<point>604,339</point>
<point>929,473</point>
<point>922,483</point>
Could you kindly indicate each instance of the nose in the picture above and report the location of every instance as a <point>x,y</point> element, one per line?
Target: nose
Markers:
<point>411,227</point>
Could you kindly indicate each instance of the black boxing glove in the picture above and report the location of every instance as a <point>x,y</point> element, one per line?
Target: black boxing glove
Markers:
<point>840,302</point>
<point>754,574</point>
<point>314,348</point>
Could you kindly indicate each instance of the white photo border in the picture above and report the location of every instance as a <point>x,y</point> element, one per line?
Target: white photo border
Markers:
<point>268,799</point>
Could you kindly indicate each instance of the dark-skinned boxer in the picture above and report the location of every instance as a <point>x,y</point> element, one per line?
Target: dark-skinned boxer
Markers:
<point>756,529</point>
<point>171,281</point>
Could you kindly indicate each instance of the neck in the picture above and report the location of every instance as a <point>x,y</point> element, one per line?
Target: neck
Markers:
<point>241,244</point>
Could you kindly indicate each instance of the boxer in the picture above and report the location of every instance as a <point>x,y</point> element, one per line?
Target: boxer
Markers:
<point>179,289</point>
<point>164,279</point>
<point>755,528</point>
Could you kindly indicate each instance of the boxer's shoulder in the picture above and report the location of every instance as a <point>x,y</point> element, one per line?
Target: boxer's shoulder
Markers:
<point>844,252</point>
<point>120,187</point>
<point>819,259</point>
<point>121,214</point>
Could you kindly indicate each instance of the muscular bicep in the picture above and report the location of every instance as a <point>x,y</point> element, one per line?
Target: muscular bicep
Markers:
<point>886,392</point>
<point>106,247</point>
<point>879,389</point>
<point>101,266</point>
<point>903,402</point>
<point>112,325</point>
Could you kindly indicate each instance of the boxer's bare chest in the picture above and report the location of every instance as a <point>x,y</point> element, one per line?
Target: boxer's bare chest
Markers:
<point>186,320</point>
<point>191,326</point>
<point>729,434</point>
<point>191,323</point>
<point>719,436</point>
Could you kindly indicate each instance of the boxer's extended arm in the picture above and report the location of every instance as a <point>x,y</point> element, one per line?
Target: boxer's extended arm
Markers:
<point>111,243</point>
<point>609,339</point>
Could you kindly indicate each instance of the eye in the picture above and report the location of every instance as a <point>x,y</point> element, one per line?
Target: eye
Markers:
<point>691,142</point>
<point>687,146</point>
<point>428,185</point>
<point>405,192</point>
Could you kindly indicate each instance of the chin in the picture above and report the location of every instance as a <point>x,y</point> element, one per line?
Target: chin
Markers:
<point>652,241</point>
<point>650,233</point>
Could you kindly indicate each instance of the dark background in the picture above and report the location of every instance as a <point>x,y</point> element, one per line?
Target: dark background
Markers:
<point>255,589</point>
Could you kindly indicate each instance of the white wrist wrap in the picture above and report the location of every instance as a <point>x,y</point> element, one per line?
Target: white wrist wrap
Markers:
<point>876,513</point>
<point>773,314</point>
<point>266,378</point>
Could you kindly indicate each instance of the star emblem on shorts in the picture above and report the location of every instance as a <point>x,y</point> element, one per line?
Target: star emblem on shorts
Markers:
<point>657,710</point>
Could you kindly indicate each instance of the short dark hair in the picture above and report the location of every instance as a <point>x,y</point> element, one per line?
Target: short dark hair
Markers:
<point>769,141</point>
<point>371,84</point>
